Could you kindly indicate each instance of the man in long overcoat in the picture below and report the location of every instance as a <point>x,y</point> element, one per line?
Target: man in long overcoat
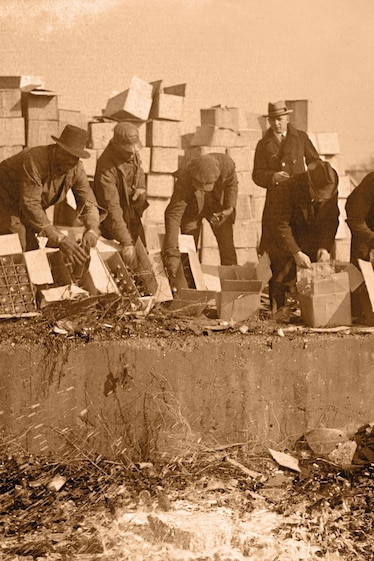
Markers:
<point>283,152</point>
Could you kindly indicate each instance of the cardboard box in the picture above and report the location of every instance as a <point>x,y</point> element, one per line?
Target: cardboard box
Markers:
<point>210,256</point>
<point>24,83</point>
<point>167,106</point>
<point>17,297</point>
<point>246,255</point>
<point>325,302</point>
<point>100,133</point>
<point>98,279</point>
<point>244,207</point>
<point>129,104</point>
<point>89,164</point>
<point>242,156</point>
<point>245,183</point>
<point>223,117</point>
<point>40,104</point>
<point>248,137</point>
<point>239,299</point>
<point>196,151</point>
<point>160,185</point>
<point>245,233</point>
<point>192,302</point>
<point>71,117</point>
<point>163,133</point>
<point>39,133</point>
<point>301,118</point>
<point>209,135</point>
<point>12,131</point>
<point>164,160</point>
<point>145,158</point>
<point>10,103</point>
<point>257,206</point>
<point>9,151</point>
<point>156,210</point>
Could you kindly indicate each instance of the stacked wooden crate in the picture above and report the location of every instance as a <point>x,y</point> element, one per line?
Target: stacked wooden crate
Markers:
<point>328,147</point>
<point>12,121</point>
<point>163,138</point>
<point>220,131</point>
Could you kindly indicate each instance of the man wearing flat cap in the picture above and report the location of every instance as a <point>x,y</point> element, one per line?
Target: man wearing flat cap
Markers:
<point>206,187</point>
<point>305,224</point>
<point>283,152</point>
<point>39,177</point>
<point>120,188</point>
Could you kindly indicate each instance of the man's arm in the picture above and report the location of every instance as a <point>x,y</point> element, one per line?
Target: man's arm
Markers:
<point>173,216</point>
<point>262,175</point>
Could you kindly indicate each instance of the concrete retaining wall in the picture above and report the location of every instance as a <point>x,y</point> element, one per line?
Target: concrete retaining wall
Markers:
<point>144,397</point>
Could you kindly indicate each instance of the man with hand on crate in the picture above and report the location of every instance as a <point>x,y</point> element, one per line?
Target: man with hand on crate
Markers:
<point>305,220</point>
<point>39,177</point>
<point>120,188</point>
<point>280,154</point>
<point>205,187</point>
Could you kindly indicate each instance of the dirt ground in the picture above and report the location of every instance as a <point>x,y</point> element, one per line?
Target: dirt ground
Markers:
<point>218,504</point>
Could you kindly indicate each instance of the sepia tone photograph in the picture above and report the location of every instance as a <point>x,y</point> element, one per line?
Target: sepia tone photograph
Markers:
<point>186,280</point>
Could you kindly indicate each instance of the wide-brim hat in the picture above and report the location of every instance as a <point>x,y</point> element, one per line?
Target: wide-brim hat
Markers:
<point>323,178</point>
<point>73,140</point>
<point>277,109</point>
<point>205,171</point>
<point>127,135</point>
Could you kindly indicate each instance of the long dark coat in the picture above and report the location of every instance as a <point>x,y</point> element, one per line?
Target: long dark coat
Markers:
<point>360,219</point>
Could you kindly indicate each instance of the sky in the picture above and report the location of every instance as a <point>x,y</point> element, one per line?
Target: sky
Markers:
<point>240,53</point>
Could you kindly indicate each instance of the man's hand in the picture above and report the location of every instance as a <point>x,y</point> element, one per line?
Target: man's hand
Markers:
<point>72,251</point>
<point>128,254</point>
<point>280,176</point>
<point>302,260</point>
<point>323,255</point>
<point>172,261</point>
<point>89,240</point>
<point>219,218</point>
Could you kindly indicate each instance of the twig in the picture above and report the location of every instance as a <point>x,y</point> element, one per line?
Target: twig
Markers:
<point>244,469</point>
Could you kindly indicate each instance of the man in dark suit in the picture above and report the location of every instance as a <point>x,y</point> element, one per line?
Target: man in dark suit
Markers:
<point>305,225</point>
<point>282,153</point>
<point>360,219</point>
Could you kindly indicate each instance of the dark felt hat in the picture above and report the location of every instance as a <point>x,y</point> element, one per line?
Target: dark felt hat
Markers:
<point>323,178</point>
<point>277,109</point>
<point>73,140</point>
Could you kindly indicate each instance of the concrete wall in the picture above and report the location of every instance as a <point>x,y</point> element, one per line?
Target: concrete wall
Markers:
<point>143,398</point>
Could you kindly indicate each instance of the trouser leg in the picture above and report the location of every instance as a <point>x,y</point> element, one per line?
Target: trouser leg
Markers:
<point>225,238</point>
<point>283,280</point>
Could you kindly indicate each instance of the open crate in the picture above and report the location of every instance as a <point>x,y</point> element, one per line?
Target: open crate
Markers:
<point>17,297</point>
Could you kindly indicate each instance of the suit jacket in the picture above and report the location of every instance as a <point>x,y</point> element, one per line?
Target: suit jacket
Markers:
<point>188,206</point>
<point>114,195</point>
<point>298,224</point>
<point>270,157</point>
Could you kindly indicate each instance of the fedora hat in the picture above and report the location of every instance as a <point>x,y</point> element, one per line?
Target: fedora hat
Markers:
<point>277,109</point>
<point>205,171</point>
<point>127,135</point>
<point>73,140</point>
<point>323,178</point>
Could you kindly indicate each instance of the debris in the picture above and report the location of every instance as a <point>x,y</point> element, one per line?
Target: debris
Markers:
<point>323,440</point>
<point>56,483</point>
<point>285,460</point>
<point>250,472</point>
<point>343,454</point>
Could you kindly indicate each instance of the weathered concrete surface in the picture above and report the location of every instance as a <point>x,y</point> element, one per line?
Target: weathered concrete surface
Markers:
<point>143,397</point>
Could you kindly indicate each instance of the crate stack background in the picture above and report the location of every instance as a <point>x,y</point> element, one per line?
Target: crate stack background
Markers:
<point>328,147</point>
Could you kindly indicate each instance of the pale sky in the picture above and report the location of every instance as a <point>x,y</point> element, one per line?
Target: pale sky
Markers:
<point>242,53</point>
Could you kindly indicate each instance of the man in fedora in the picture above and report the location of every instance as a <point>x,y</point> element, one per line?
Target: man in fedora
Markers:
<point>39,177</point>
<point>305,223</point>
<point>120,188</point>
<point>282,152</point>
<point>206,187</point>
